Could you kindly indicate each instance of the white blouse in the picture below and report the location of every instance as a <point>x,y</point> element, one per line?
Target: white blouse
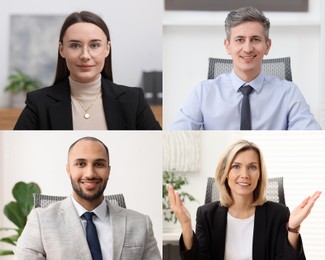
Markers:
<point>239,238</point>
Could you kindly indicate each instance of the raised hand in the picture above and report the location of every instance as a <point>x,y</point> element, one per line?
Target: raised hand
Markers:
<point>300,213</point>
<point>178,207</point>
<point>182,215</point>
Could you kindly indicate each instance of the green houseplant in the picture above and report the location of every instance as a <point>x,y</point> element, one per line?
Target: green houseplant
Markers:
<point>22,82</point>
<point>17,211</point>
<point>19,84</point>
<point>178,182</point>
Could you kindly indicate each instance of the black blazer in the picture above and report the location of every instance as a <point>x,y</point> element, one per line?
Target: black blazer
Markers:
<point>270,240</point>
<point>50,108</point>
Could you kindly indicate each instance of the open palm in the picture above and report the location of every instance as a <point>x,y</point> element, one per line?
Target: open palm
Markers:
<point>302,211</point>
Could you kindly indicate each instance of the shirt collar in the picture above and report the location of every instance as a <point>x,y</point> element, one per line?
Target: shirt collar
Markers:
<point>101,211</point>
<point>256,83</point>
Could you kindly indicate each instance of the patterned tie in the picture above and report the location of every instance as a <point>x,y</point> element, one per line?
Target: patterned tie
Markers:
<point>245,118</point>
<point>92,237</point>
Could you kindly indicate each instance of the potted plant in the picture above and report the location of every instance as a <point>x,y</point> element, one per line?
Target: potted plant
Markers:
<point>177,182</point>
<point>17,211</point>
<point>19,84</point>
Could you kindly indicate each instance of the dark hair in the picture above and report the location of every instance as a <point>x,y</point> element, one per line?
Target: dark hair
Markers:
<point>246,14</point>
<point>89,138</point>
<point>62,71</point>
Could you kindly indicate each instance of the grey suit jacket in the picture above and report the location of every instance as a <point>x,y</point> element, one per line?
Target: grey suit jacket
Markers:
<point>56,233</point>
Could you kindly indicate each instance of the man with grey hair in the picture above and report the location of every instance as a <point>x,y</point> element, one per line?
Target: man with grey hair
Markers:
<point>246,98</point>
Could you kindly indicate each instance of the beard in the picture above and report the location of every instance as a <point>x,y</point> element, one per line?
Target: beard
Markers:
<point>85,196</point>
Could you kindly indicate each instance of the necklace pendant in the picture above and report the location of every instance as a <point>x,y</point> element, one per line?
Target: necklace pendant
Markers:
<point>86,115</point>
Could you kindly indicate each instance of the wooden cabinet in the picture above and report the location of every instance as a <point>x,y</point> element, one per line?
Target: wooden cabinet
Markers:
<point>9,116</point>
<point>157,111</point>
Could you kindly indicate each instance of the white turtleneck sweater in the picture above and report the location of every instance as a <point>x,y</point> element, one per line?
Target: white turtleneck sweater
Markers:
<point>87,98</point>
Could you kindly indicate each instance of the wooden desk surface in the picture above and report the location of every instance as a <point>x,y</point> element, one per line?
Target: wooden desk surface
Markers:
<point>9,116</point>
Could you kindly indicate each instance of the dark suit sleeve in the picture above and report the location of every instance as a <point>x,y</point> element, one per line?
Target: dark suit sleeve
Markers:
<point>29,118</point>
<point>201,248</point>
<point>145,117</point>
<point>284,251</point>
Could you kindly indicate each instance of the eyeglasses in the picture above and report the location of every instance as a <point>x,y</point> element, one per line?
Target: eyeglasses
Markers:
<point>94,49</point>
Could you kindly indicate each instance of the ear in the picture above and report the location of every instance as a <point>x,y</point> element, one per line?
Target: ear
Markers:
<point>61,50</point>
<point>67,169</point>
<point>108,49</point>
<point>109,171</point>
<point>268,46</point>
<point>226,43</point>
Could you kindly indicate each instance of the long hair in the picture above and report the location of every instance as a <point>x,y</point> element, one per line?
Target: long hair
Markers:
<point>62,71</point>
<point>223,169</point>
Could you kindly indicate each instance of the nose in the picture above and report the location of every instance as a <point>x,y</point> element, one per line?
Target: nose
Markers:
<point>85,53</point>
<point>244,173</point>
<point>90,172</point>
<point>248,47</point>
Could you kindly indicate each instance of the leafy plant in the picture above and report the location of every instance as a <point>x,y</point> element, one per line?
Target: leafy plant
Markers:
<point>17,211</point>
<point>177,182</point>
<point>21,82</point>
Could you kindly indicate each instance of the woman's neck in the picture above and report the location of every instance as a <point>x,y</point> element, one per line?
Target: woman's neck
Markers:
<point>80,90</point>
<point>241,208</point>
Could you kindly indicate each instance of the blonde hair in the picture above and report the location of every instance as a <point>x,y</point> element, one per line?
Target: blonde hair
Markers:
<point>223,169</point>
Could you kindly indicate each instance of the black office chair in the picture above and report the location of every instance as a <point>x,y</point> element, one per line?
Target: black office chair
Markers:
<point>279,67</point>
<point>43,201</point>
<point>274,191</point>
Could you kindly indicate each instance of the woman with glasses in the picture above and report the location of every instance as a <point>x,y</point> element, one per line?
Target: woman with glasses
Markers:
<point>243,224</point>
<point>83,96</point>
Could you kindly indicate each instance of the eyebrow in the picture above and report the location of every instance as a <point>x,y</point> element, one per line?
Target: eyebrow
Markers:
<point>248,163</point>
<point>93,40</point>
<point>96,160</point>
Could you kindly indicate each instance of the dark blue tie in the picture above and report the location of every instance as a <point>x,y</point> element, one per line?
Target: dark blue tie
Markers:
<point>245,117</point>
<point>92,237</point>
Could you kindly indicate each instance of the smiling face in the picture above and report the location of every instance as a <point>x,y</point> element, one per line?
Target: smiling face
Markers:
<point>247,46</point>
<point>244,175</point>
<point>78,42</point>
<point>88,168</point>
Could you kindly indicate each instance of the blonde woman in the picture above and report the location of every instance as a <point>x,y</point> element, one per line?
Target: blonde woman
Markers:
<point>243,224</point>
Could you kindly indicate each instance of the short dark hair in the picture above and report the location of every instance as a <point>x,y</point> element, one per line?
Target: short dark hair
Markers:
<point>246,14</point>
<point>89,138</point>
<point>62,71</point>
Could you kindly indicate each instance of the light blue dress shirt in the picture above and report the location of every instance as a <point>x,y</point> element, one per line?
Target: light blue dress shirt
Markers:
<point>275,105</point>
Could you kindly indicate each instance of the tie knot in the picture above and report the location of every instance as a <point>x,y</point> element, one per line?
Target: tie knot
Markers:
<point>246,90</point>
<point>88,215</point>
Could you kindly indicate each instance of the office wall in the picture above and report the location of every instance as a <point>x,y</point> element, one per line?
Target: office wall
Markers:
<point>135,28</point>
<point>296,156</point>
<point>136,163</point>
<point>190,38</point>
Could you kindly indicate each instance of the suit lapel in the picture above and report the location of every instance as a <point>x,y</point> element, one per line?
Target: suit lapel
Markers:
<point>118,224</point>
<point>259,237</point>
<point>60,111</point>
<point>219,234</point>
<point>116,111</point>
<point>74,230</point>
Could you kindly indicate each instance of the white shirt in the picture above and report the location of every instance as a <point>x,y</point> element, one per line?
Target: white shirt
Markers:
<point>103,227</point>
<point>239,238</point>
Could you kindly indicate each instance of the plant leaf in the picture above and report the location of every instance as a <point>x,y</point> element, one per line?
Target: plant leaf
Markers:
<point>6,252</point>
<point>10,240</point>
<point>23,193</point>
<point>14,214</point>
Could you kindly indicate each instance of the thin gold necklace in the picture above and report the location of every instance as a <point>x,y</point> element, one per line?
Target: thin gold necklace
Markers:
<point>86,114</point>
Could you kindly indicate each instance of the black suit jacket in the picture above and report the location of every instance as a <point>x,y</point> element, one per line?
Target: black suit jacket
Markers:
<point>269,238</point>
<point>50,108</point>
